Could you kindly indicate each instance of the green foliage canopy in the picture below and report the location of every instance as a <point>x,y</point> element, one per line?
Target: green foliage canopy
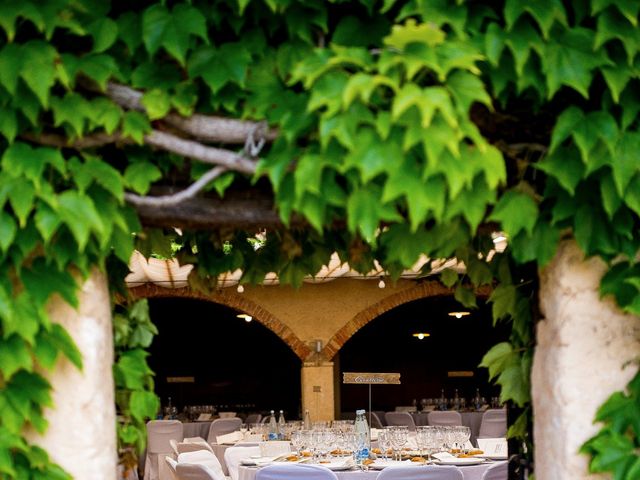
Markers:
<point>403,128</point>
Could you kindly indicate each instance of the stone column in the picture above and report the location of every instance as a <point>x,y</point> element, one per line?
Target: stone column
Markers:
<point>585,352</point>
<point>82,436</point>
<point>317,390</point>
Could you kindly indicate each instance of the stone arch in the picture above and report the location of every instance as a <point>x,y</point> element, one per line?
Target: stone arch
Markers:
<point>233,300</point>
<point>420,290</point>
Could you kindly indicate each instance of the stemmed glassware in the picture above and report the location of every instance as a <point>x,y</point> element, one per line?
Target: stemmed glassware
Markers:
<point>399,437</point>
<point>384,442</point>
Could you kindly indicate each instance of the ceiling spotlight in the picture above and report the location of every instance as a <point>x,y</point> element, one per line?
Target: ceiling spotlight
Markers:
<point>421,335</point>
<point>247,318</point>
<point>459,314</point>
<point>381,284</point>
<point>240,289</point>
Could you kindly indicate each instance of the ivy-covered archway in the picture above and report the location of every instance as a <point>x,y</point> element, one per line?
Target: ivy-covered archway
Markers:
<point>276,132</point>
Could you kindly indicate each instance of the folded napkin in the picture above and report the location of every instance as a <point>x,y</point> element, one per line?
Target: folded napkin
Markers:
<point>443,456</point>
<point>232,437</point>
<point>203,417</point>
<point>274,448</point>
<point>493,446</point>
<point>253,437</point>
<point>194,440</point>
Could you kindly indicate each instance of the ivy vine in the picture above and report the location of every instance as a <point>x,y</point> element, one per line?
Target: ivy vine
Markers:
<point>380,130</point>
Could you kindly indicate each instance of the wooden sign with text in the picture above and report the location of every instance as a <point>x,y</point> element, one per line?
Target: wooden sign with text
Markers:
<point>371,378</point>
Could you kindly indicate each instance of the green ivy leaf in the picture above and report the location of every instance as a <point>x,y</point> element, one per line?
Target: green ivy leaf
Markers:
<point>565,165</point>
<point>143,405</point>
<point>42,280</point>
<point>157,103</point>
<point>140,175</point>
<point>219,66</point>
<point>365,211</point>
<point>465,296</point>
<point>515,211</point>
<point>78,212</point>
<point>625,162</point>
<point>8,231</point>
<point>38,69</point>
<point>449,277</point>
<point>136,126</point>
<point>104,32</point>
<point>11,60</point>
<point>569,60</point>
<point>411,32</point>
<point>14,356</point>
<point>545,12</point>
<point>497,358</point>
<point>9,124</point>
<point>172,30</point>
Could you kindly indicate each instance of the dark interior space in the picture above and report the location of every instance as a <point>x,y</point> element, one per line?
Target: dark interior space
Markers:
<point>237,365</point>
<point>244,367</point>
<point>387,344</point>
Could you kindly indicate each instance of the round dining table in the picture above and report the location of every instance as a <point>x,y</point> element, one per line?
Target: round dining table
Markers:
<point>469,472</point>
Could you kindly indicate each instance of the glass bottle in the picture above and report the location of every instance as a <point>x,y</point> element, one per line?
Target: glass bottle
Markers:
<point>281,423</point>
<point>273,427</point>
<point>361,428</point>
<point>307,420</point>
<point>442,404</point>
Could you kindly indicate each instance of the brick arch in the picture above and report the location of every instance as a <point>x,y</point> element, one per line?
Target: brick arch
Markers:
<point>420,290</point>
<point>232,300</point>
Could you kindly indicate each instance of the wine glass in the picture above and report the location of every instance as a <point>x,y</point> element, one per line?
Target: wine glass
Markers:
<point>384,442</point>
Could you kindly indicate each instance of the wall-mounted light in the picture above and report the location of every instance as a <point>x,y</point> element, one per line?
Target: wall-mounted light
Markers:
<point>247,318</point>
<point>240,289</point>
<point>421,335</point>
<point>381,283</point>
<point>459,314</point>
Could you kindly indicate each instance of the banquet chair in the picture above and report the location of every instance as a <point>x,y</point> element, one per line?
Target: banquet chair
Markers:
<point>233,456</point>
<point>375,421</point>
<point>197,471</point>
<point>159,435</point>
<point>430,472</point>
<point>400,419</point>
<point>171,468</point>
<point>295,472</point>
<point>201,457</point>
<point>253,418</point>
<point>222,426</point>
<point>493,424</point>
<point>380,415</point>
<point>498,471</point>
<point>444,419</point>
<point>183,447</point>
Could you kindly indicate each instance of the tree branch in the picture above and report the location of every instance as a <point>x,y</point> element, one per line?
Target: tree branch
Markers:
<point>168,200</point>
<point>161,140</point>
<point>203,127</point>
<point>199,152</point>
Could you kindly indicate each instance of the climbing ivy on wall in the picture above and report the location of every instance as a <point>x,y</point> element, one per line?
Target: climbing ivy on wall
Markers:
<point>391,128</point>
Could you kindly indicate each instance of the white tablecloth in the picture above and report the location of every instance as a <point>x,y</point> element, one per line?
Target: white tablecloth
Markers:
<point>471,472</point>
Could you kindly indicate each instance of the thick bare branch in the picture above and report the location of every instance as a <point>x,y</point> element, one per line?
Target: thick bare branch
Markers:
<point>199,152</point>
<point>203,127</point>
<point>60,141</point>
<point>164,141</point>
<point>176,198</point>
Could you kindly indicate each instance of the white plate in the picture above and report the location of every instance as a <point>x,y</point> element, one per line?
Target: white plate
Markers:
<point>381,464</point>
<point>492,457</point>
<point>460,461</point>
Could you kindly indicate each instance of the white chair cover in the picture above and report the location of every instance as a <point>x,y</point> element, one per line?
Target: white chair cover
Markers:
<point>159,436</point>
<point>498,471</point>
<point>430,472</point>
<point>295,472</point>
<point>227,414</point>
<point>197,471</point>
<point>447,418</point>
<point>375,421</point>
<point>171,468</point>
<point>192,444</point>
<point>253,418</point>
<point>234,455</point>
<point>222,426</point>
<point>401,419</point>
<point>494,424</point>
<point>201,457</point>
